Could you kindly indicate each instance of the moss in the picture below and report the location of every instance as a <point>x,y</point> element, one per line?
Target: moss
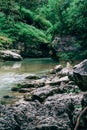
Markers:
<point>16,88</point>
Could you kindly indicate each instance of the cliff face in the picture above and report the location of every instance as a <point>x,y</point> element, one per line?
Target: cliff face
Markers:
<point>65,47</point>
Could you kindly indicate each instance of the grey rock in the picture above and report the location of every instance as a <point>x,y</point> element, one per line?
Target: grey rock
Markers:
<point>57,80</point>
<point>80,75</point>
<point>28,85</point>
<point>56,69</point>
<point>42,93</point>
<point>54,114</point>
<point>9,55</point>
<point>68,70</point>
<point>26,90</point>
<point>33,76</point>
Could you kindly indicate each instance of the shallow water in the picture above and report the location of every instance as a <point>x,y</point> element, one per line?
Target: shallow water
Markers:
<point>12,73</point>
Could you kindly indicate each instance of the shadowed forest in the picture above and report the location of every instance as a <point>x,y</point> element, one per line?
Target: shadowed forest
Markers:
<point>45,28</point>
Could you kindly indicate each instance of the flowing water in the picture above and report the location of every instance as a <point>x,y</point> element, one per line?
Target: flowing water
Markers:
<point>12,73</point>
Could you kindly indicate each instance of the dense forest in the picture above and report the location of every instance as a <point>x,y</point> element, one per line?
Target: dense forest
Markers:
<point>36,27</point>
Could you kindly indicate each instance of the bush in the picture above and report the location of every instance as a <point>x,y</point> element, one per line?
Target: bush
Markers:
<point>5,42</point>
<point>30,34</point>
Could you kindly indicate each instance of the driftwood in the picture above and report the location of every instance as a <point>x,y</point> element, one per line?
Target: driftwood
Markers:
<point>79,117</point>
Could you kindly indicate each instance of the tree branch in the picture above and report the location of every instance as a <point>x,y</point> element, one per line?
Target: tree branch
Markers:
<point>79,117</point>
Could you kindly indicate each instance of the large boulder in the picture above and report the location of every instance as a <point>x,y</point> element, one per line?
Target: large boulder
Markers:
<point>9,55</point>
<point>54,114</point>
<point>80,75</point>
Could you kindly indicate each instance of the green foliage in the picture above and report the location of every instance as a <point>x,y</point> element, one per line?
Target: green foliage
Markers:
<point>30,34</point>
<point>42,23</point>
<point>5,42</point>
<point>63,56</point>
<point>27,15</point>
<point>39,21</point>
<point>2,20</point>
<point>76,15</point>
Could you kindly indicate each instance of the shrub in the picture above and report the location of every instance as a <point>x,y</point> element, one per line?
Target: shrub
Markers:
<point>5,42</point>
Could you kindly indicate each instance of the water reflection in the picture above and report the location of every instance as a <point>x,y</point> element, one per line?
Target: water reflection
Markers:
<point>27,65</point>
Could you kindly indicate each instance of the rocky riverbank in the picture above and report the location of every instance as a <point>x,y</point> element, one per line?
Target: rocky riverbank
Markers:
<point>52,101</point>
<point>9,55</point>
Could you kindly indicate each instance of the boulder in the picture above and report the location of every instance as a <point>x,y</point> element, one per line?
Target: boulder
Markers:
<point>68,70</point>
<point>54,114</point>
<point>42,93</point>
<point>80,75</point>
<point>9,55</point>
<point>33,76</point>
<point>58,68</point>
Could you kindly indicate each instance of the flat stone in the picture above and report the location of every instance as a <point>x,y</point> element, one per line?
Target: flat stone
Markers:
<point>33,76</point>
<point>57,81</point>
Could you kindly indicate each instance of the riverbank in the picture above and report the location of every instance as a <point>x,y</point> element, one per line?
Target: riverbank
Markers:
<point>52,101</point>
<point>14,72</point>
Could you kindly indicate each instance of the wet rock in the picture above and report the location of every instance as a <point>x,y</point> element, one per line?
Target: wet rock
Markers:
<point>29,84</point>
<point>42,93</point>
<point>15,89</point>
<point>8,97</point>
<point>80,75</point>
<point>33,76</point>
<point>9,55</point>
<point>26,90</point>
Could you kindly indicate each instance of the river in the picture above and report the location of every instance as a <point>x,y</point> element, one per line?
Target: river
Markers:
<point>12,73</point>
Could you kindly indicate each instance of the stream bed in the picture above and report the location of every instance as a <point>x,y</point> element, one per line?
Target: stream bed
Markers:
<point>12,73</point>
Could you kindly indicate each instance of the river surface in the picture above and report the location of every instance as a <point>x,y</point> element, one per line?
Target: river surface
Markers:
<point>12,73</point>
